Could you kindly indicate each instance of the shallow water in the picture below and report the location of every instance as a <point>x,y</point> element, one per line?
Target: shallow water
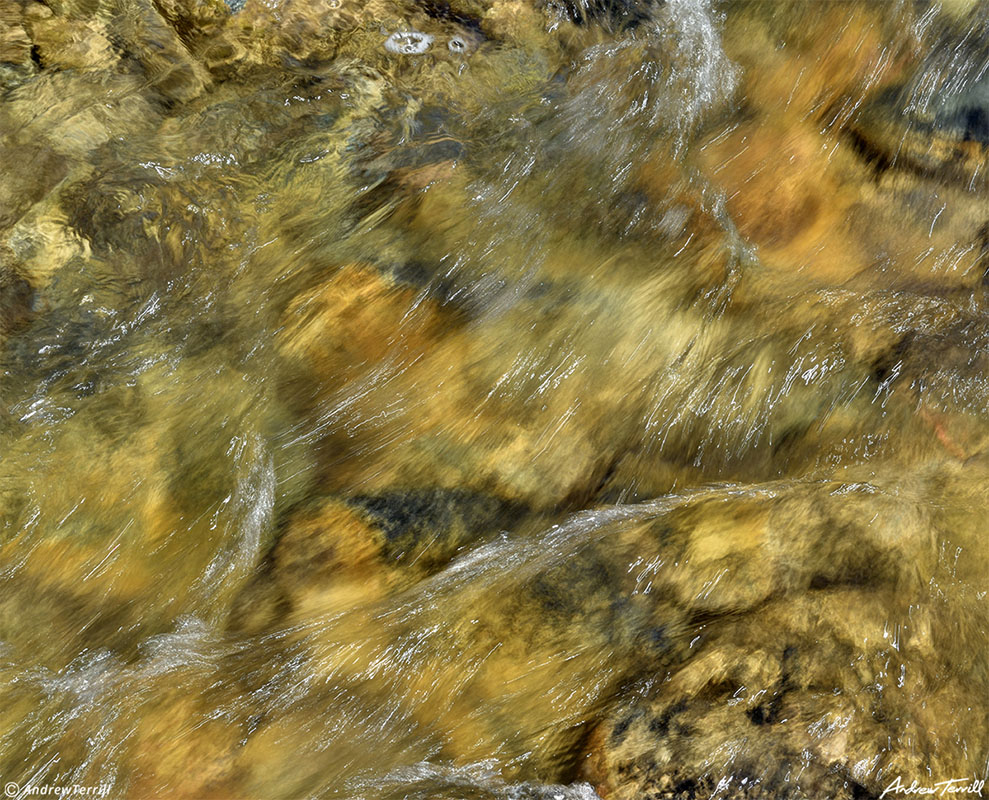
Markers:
<point>493,399</point>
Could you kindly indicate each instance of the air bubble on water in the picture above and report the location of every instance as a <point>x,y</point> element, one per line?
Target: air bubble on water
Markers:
<point>408,42</point>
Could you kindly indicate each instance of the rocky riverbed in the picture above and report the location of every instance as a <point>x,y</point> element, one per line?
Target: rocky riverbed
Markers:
<point>494,399</point>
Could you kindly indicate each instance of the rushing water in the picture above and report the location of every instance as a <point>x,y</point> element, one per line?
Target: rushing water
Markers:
<point>494,398</point>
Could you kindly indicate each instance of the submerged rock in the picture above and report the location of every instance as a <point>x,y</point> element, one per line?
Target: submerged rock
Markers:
<point>328,371</point>
<point>351,552</point>
<point>950,137</point>
<point>830,678</point>
<point>15,43</point>
<point>16,300</point>
<point>61,42</point>
<point>935,120</point>
<point>781,640</point>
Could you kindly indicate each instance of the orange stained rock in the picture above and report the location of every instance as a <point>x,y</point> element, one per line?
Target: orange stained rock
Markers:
<point>515,21</point>
<point>423,177</point>
<point>359,328</point>
<point>830,55</point>
<point>330,561</point>
<point>789,195</point>
<point>789,178</point>
<point>355,319</point>
<point>939,425</point>
<point>179,751</point>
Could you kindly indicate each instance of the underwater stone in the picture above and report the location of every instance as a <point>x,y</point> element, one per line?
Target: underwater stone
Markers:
<point>408,43</point>
<point>16,300</point>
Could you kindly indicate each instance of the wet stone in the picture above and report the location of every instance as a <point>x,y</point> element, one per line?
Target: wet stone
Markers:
<point>802,679</point>
<point>16,300</point>
<point>349,552</point>
<point>15,43</point>
<point>64,43</point>
<point>951,138</point>
<point>426,527</point>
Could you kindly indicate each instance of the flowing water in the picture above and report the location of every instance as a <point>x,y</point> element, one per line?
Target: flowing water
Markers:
<point>500,399</point>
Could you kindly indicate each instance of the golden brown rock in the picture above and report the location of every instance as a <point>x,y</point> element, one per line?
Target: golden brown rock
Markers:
<point>15,44</point>
<point>810,693</point>
<point>65,43</point>
<point>179,749</point>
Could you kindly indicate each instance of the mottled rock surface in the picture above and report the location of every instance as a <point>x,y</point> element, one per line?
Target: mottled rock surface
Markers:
<point>493,398</point>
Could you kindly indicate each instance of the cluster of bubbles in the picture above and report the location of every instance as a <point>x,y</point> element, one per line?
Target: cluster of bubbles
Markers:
<point>415,43</point>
